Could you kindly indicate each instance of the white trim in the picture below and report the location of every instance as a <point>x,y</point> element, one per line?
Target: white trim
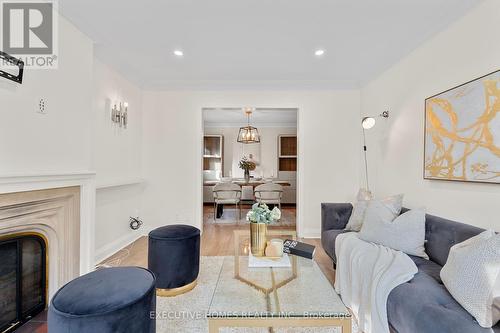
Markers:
<point>198,214</point>
<point>311,233</point>
<point>259,85</point>
<point>256,124</point>
<point>111,248</point>
<point>15,180</point>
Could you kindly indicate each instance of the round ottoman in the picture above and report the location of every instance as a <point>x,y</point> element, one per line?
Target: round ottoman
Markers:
<point>174,258</point>
<point>117,299</point>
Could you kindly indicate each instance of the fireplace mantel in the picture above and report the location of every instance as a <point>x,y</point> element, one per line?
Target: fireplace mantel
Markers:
<point>86,182</point>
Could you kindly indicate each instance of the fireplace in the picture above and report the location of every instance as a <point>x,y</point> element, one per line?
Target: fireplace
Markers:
<point>39,249</point>
<point>23,278</point>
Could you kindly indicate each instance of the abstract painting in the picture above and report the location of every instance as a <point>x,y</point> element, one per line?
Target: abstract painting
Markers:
<point>462,132</point>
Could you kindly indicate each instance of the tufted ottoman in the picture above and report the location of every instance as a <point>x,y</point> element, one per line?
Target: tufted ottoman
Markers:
<point>174,258</point>
<point>117,299</point>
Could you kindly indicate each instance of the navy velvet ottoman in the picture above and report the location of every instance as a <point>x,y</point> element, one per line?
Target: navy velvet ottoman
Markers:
<point>174,258</point>
<point>117,299</point>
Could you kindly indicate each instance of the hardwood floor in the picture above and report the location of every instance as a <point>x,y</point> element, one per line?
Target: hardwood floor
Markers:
<point>37,324</point>
<point>217,240</point>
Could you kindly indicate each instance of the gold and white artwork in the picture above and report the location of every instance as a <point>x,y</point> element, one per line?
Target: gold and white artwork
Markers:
<point>462,132</point>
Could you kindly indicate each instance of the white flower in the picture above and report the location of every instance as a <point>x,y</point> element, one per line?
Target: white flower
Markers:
<point>275,214</point>
<point>251,216</point>
<point>260,213</point>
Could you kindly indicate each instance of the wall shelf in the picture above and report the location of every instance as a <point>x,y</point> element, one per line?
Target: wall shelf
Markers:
<point>126,182</point>
<point>213,154</point>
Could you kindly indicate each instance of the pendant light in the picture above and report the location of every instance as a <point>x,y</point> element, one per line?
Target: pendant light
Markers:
<point>248,134</point>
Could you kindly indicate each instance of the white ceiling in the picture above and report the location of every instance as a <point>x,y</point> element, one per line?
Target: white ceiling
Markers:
<point>236,117</point>
<point>258,43</point>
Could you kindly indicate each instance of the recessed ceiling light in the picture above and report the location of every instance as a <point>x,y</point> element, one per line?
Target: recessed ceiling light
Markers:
<point>319,52</point>
<point>178,53</point>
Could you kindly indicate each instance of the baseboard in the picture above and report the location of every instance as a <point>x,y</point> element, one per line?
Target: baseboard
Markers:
<point>111,248</point>
<point>310,233</point>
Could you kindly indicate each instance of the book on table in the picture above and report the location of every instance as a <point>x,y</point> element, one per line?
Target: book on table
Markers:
<point>299,249</point>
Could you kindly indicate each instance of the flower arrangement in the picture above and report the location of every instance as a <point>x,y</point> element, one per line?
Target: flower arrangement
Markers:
<point>260,213</point>
<point>246,164</point>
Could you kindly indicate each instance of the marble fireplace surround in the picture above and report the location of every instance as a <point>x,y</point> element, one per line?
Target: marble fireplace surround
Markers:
<point>61,209</point>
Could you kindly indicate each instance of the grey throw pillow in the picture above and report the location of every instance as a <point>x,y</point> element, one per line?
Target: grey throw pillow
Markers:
<point>393,204</point>
<point>405,232</point>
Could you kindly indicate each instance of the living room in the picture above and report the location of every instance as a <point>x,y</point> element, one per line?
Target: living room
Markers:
<point>397,107</point>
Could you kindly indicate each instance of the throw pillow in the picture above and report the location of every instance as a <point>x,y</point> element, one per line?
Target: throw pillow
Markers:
<point>364,195</point>
<point>472,276</point>
<point>405,232</point>
<point>393,203</point>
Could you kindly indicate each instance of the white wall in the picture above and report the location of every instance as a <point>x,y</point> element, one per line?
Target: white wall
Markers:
<point>328,146</point>
<point>117,153</point>
<point>117,160</point>
<point>59,141</point>
<point>268,164</point>
<point>466,50</point>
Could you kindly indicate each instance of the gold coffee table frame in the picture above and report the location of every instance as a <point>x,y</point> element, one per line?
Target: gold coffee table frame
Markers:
<point>215,323</point>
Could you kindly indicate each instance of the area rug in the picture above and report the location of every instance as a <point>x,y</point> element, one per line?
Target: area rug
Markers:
<point>186,313</point>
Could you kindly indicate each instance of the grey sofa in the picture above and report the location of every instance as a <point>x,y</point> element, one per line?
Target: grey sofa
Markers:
<point>422,305</point>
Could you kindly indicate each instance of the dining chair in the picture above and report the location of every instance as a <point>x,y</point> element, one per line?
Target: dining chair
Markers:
<point>227,194</point>
<point>269,194</point>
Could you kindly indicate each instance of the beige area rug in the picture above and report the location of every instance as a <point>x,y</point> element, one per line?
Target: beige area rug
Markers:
<point>186,313</point>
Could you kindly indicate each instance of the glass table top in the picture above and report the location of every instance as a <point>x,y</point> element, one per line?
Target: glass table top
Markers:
<point>301,290</point>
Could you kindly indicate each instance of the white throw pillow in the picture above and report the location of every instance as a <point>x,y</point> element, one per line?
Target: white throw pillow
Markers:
<point>472,276</point>
<point>405,232</point>
<point>364,195</point>
<point>393,204</point>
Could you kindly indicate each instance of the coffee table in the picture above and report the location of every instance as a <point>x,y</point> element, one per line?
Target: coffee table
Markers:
<point>296,296</point>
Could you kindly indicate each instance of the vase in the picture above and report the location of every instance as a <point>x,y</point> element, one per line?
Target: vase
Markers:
<point>247,175</point>
<point>258,233</point>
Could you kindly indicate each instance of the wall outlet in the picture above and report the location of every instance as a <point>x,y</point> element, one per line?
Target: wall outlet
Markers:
<point>42,106</point>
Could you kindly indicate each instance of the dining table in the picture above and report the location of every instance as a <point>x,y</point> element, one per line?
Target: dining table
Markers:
<point>242,182</point>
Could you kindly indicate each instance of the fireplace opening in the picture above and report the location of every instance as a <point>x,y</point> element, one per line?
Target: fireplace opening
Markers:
<point>23,279</point>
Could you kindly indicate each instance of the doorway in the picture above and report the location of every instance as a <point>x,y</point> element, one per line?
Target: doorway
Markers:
<point>273,159</point>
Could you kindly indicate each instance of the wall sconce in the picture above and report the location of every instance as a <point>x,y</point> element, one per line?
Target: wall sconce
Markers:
<point>119,115</point>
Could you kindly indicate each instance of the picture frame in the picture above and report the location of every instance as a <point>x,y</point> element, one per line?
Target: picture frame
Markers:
<point>462,132</point>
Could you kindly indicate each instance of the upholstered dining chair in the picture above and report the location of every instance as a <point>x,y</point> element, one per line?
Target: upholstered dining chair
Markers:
<point>227,194</point>
<point>269,193</point>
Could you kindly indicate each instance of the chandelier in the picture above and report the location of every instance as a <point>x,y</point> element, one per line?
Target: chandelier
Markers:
<point>248,134</point>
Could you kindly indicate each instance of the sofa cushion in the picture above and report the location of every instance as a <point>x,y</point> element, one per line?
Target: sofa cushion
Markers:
<point>441,234</point>
<point>423,305</point>
<point>328,242</point>
<point>429,267</point>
